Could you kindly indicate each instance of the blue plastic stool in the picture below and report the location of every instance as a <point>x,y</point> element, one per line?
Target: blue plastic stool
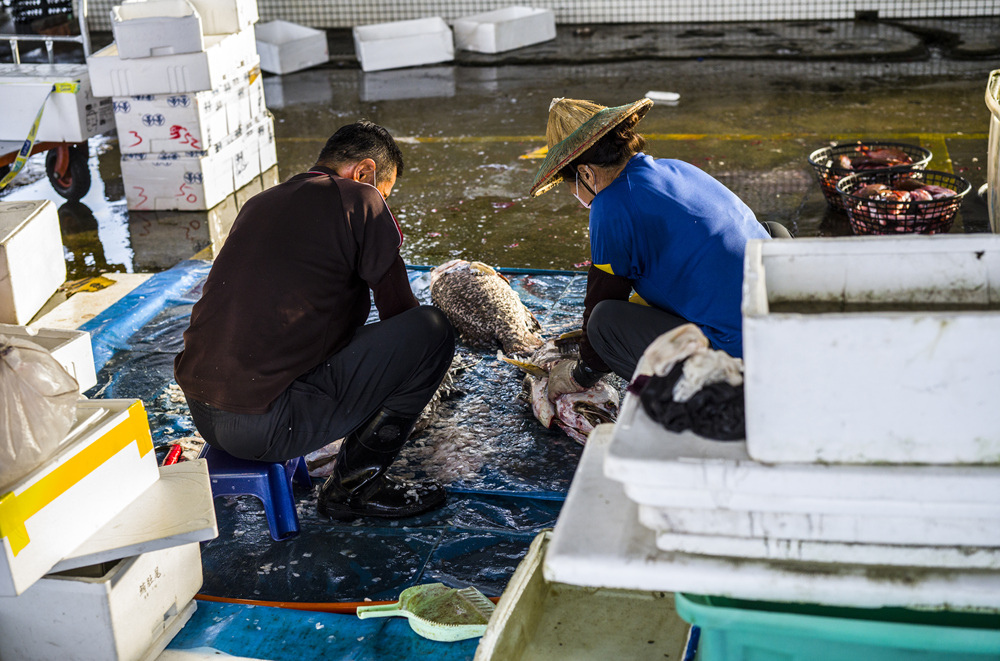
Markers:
<point>270,482</point>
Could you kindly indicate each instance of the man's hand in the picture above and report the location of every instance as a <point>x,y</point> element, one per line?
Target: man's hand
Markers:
<point>561,380</point>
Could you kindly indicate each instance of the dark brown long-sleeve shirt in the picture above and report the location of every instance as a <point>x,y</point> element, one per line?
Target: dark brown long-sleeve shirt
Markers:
<point>289,288</point>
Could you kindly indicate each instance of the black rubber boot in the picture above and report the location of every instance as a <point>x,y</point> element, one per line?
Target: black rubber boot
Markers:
<point>358,485</point>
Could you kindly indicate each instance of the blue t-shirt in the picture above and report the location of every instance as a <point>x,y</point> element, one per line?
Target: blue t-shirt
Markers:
<point>679,236</point>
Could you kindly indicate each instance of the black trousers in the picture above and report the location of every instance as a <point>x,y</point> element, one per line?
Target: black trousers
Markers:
<point>395,364</point>
<point>620,331</point>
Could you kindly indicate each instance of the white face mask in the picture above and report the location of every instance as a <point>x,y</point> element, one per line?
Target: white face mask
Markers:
<point>576,193</point>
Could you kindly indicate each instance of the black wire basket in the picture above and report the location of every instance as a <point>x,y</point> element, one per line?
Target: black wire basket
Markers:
<point>835,162</point>
<point>896,209</point>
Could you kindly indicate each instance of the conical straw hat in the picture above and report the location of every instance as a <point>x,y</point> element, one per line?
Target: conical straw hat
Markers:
<point>573,127</point>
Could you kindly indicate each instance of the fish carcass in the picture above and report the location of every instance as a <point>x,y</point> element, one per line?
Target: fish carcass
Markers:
<point>484,310</point>
<point>575,413</point>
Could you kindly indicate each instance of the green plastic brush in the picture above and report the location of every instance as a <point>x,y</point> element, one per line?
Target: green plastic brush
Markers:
<point>438,612</point>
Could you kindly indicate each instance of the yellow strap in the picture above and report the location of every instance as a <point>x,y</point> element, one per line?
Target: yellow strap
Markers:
<point>16,510</point>
<point>71,87</point>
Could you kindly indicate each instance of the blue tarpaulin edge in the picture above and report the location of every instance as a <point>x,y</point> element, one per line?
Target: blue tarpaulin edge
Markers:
<point>111,329</point>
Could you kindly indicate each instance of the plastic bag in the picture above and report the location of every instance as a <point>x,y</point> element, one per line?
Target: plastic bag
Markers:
<point>37,407</point>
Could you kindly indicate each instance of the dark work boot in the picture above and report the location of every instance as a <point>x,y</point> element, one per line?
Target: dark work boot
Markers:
<point>358,485</point>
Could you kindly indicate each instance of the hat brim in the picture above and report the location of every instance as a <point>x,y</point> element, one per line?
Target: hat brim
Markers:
<point>562,154</point>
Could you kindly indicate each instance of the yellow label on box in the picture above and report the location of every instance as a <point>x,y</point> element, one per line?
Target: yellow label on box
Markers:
<point>16,510</point>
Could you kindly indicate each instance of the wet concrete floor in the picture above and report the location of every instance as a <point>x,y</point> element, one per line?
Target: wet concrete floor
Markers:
<point>755,100</point>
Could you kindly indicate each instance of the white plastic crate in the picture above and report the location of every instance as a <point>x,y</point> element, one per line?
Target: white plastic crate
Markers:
<point>106,462</point>
<point>929,528</point>
<point>156,28</point>
<point>285,47</point>
<point>403,44</point>
<point>599,542</point>
<point>128,610</point>
<point>788,550</point>
<point>226,16</point>
<point>71,348</point>
<point>504,29</point>
<point>68,116</point>
<point>224,57</point>
<point>873,349</point>
<point>32,265</point>
<point>654,465</point>
<point>536,620</point>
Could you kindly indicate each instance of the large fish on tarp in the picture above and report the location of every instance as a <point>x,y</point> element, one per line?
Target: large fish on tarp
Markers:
<point>575,413</point>
<point>484,310</point>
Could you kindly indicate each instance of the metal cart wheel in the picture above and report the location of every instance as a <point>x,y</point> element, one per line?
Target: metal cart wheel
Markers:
<point>68,171</point>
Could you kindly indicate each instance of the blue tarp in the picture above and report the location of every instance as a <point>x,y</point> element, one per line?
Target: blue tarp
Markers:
<point>506,475</point>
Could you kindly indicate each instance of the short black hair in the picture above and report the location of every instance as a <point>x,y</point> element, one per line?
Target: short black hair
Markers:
<point>358,141</point>
<point>612,149</point>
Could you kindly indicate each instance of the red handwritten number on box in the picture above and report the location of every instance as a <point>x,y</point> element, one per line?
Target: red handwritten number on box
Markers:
<point>138,139</point>
<point>180,133</point>
<point>190,198</point>
<point>142,195</point>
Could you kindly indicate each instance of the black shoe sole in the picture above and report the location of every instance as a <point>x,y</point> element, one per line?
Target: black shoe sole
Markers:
<point>347,513</point>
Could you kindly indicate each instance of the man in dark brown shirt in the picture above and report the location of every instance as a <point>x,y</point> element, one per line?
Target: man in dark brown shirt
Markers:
<point>278,361</point>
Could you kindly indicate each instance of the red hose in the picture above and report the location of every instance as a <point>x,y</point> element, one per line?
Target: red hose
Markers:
<point>342,607</point>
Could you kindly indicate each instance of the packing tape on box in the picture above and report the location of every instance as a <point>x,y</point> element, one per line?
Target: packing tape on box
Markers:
<point>29,142</point>
<point>16,510</point>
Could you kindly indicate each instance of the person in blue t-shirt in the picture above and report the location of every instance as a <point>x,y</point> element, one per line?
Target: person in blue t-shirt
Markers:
<point>660,228</point>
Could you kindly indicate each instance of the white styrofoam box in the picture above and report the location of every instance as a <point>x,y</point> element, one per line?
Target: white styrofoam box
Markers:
<point>106,462</point>
<point>907,374</point>
<point>226,16</point>
<point>599,542</point>
<point>32,265</point>
<point>177,509</point>
<point>788,550</point>
<point>71,348</point>
<point>127,611</point>
<point>68,116</point>
<point>188,121</point>
<point>224,57</point>
<point>182,181</point>
<point>403,44</point>
<point>170,122</point>
<point>926,530</point>
<point>285,47</point>
<point>654,464</point>
<point>156,28</point>
<point>504,29</point>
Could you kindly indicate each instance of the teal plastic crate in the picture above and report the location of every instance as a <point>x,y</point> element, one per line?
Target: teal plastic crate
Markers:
<point>739,630</point>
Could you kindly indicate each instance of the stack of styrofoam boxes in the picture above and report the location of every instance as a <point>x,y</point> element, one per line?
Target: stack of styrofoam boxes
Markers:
<point>99,555</point>
<point>871,471</point>
<point>32,266</point>
<point>188,100</point>
<point>504,29</point>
